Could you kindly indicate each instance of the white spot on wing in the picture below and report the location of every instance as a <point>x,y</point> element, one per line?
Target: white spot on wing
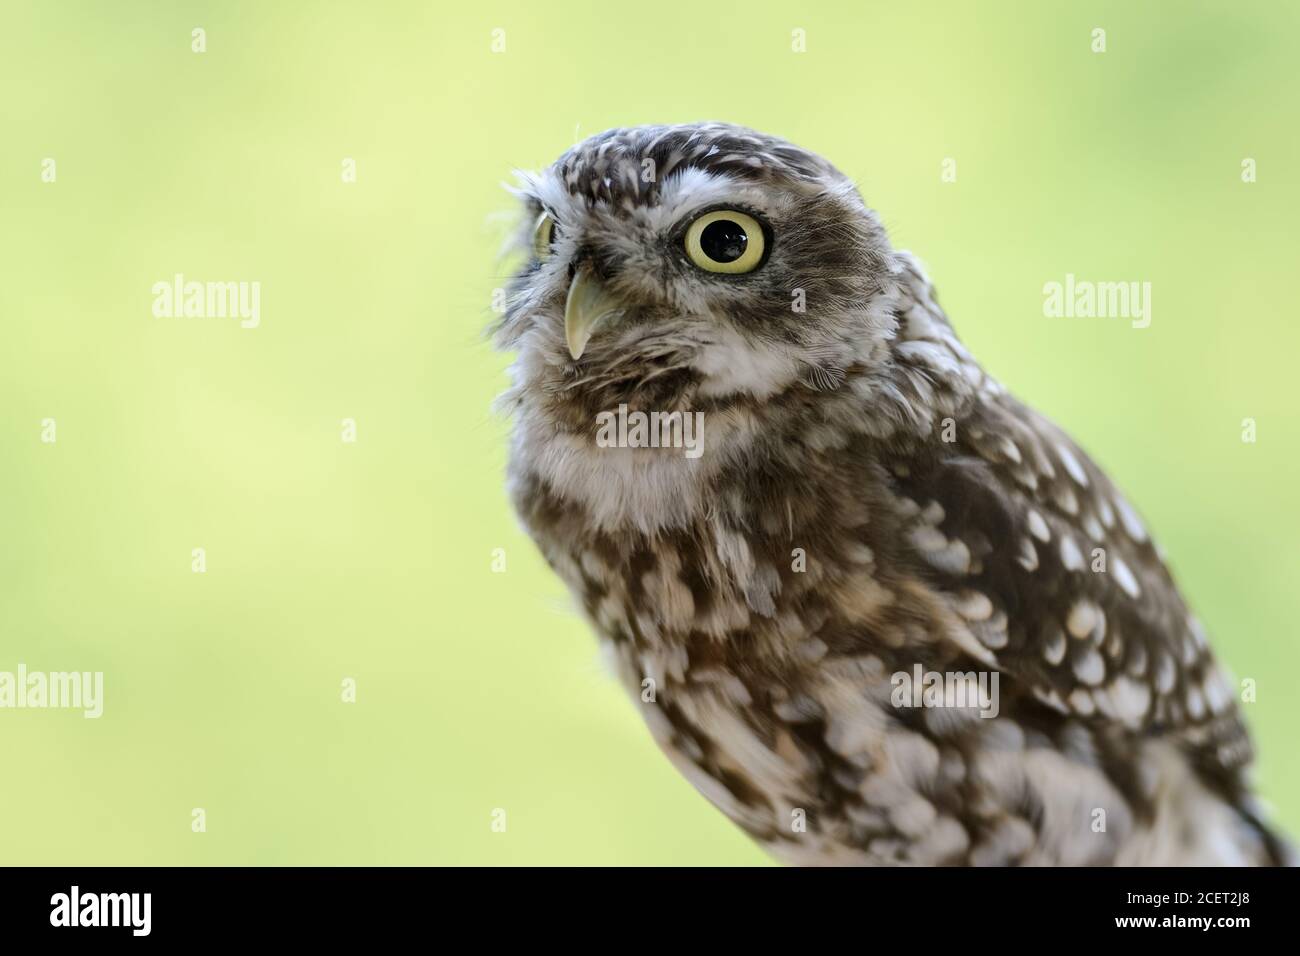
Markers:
<point>1089,667</point>
<point>1054,647</point>
<point>1131,522</point>
<point>1131,699</point>
<point>1081,702</point>
<point>1124,577</point>
<point>1084,618</point>
<point>974,605</point>
<point>1072,465</point>
<point>1164,674</point>
<point>1071,557</point>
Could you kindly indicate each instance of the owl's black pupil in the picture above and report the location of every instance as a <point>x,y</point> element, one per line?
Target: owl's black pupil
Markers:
<point>723,240</point>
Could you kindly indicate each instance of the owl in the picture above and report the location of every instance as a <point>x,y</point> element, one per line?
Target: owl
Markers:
<point>876,609</point>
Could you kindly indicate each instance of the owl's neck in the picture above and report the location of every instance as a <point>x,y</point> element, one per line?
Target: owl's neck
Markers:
<point>626,486</point>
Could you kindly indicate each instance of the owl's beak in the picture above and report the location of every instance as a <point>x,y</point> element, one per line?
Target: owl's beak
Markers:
<point>587,306</point>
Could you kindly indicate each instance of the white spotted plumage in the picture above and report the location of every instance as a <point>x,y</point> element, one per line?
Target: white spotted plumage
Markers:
<point>869,502</point>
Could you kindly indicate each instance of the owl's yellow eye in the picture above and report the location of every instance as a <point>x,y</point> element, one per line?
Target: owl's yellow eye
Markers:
<point>543,235</point>
<point>725,241</point>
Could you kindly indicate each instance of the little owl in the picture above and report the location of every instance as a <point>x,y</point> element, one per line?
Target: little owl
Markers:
<point>884,613</point>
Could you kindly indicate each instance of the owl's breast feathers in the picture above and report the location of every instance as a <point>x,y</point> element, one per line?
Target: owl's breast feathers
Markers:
<point>914,520</point>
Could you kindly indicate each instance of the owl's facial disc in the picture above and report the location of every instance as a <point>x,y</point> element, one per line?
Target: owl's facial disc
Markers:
<point>720,242</point>
<point>588,304</point>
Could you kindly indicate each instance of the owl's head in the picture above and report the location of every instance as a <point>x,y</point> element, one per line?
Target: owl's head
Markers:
<point>672,267</point>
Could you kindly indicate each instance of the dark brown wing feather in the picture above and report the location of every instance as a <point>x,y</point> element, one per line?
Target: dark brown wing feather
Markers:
<point>1096,626</point>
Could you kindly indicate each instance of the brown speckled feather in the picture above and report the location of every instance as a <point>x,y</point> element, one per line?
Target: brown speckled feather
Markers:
<point>868,502</point>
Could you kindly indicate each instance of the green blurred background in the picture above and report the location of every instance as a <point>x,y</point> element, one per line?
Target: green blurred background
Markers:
<point>327,560</point>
